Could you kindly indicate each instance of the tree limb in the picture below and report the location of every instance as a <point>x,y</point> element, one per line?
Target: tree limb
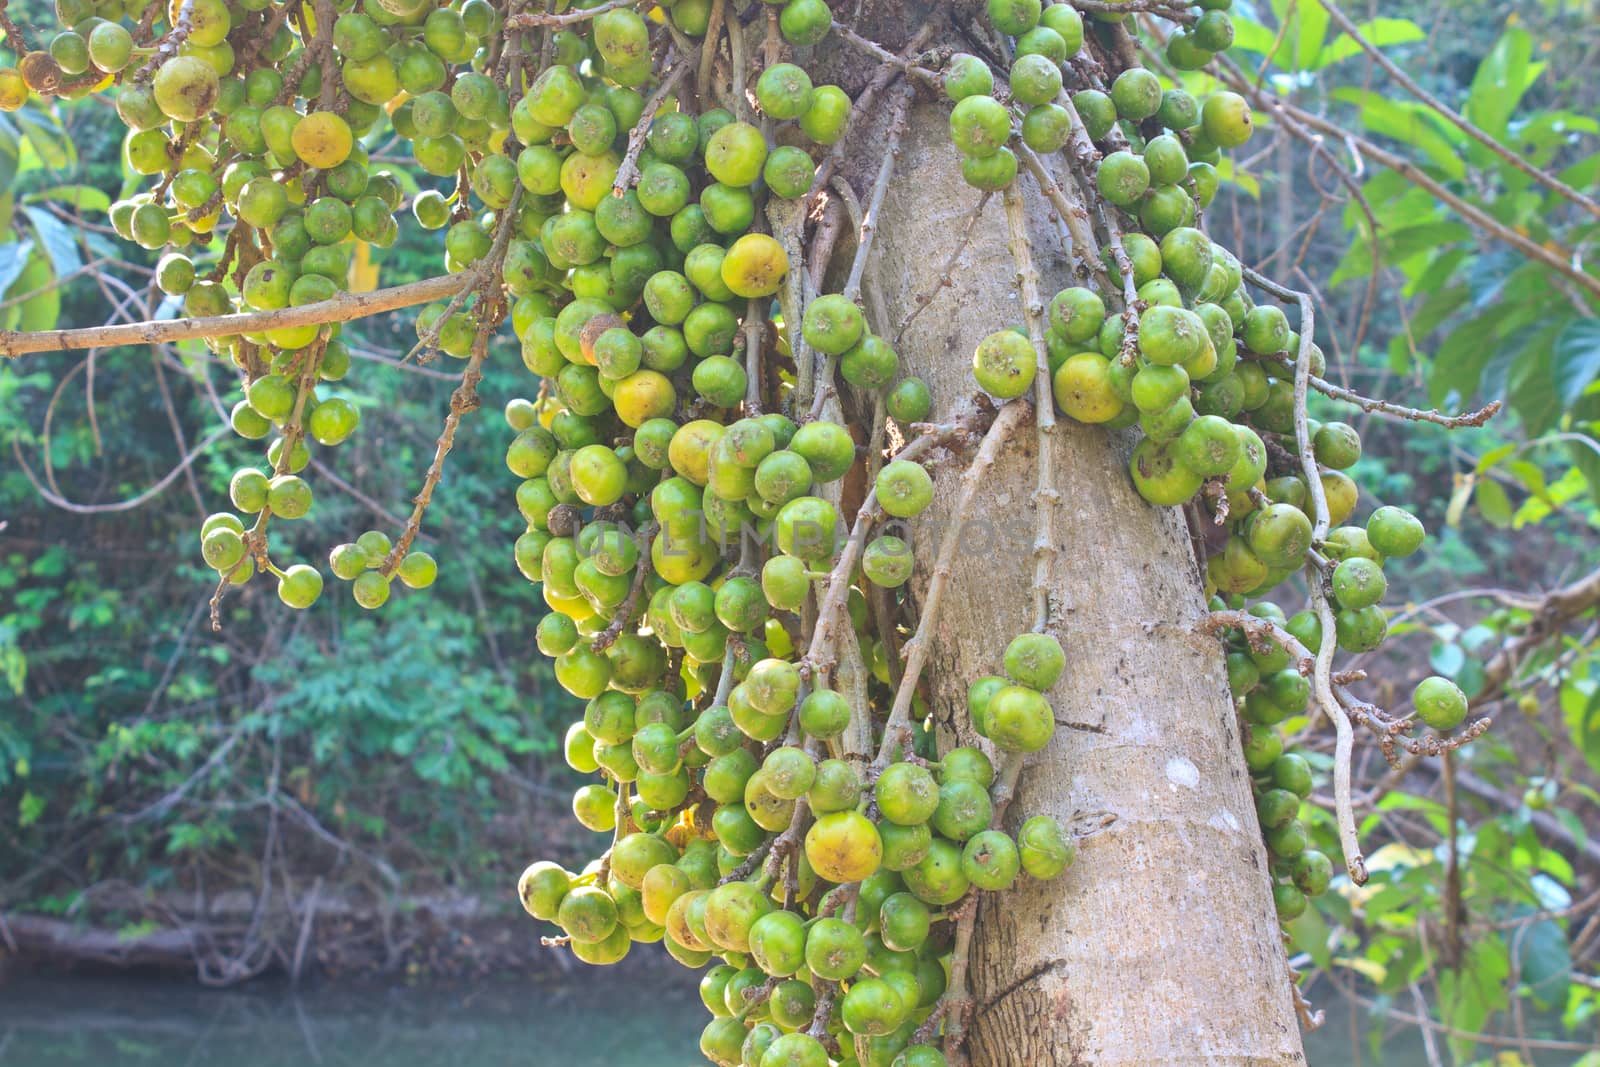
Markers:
<point>341,308</point>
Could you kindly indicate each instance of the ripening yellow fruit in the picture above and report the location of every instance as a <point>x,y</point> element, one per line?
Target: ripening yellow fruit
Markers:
<point>13,89</point>
<point>322,140</point>
<point>754,266</point>
<point>575,607</point>
<point>643,395</point>
<point>844,847</point>
<point>185,88</point>
<point>1082,387</point>
<point>209,21</point>
<point>586,180</point>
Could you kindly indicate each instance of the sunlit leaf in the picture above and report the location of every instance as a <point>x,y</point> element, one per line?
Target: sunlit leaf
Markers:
<point>1493,503</point>
<point>1503,76</point>
<point>1380,32</point>
<point>1495,455</point>
<point>1410,124</point>
<point>82,197</point>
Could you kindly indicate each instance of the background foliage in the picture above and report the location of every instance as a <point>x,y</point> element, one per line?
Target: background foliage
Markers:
<point>405,752</point>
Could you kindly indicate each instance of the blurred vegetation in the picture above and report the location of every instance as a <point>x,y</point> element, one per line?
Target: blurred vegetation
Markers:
<point>405,752</point>
<point>138,746</point>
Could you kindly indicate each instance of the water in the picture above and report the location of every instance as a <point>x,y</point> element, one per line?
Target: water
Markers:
<point>589,1020</point>
<point>513,1023</point>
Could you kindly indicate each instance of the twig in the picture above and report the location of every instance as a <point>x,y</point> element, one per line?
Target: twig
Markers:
<point>862,106</point>
<point>628,172</point>
<point>824,634</point>
<point>18,44</point>
<point>917,650</point>
<point>788,227</point>
<point>1470,419</point>
<point>708,54</point>
<point>1558,607</point>
<point>132,502</point>
<point>1073,213</point>
<point>465,397</point>
<point>171,42</point>
<point>1322,666</point>
<point>1167,9</point>
<point>959,1000</point>
<point>641,572</point>
<point>901,62</point>
<point>1046,495</point>
<point>341,308</point>
<point>754,333</point>
<point>528,20</point>
<point>869,218</point>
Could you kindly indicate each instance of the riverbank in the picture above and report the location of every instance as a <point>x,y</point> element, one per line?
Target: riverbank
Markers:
<point>237,937</point>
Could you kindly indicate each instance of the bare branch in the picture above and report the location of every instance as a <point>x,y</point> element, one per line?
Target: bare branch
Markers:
<point>341,308</point>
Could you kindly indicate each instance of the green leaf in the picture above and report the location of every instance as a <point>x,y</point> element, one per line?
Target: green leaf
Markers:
<point>30,808</point>
<point>82,197</point>
<point>1586,459</point>
<point>1497,87</point>
<point>1576,360</point>
<point>1409,124</point>
<point>1310,935</point>
<point>1309,34</point>
<point>44,134</point>
<point>1459,362</point>
<point>1381,32</point>
<point>1549,131</point>
<point>1545,960</point>
<point>1471,993</point>
<point>1530,383</point>
<point>1227,172</point>
<point>1580,707</point>
<point>59,243</point>
<point>1494,456</point>
<point>10,154</point>
<point>1400,244</point>
<point>1532,479</point>
<point>13,257</point>
<point>1447,659</point>
<point>1252,36</point>
<point>1493,503</point>
<point>40,311</point>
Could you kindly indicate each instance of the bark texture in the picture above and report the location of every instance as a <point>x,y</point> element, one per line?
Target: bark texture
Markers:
<point>1160,944</point>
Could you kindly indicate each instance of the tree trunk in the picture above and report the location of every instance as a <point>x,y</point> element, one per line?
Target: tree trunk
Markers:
<point>1160,945</point>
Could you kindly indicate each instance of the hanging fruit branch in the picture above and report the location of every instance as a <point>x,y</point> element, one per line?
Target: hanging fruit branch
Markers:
<point>713,412</point>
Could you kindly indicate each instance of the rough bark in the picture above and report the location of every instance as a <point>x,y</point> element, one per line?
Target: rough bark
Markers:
<point>1160,944</point>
